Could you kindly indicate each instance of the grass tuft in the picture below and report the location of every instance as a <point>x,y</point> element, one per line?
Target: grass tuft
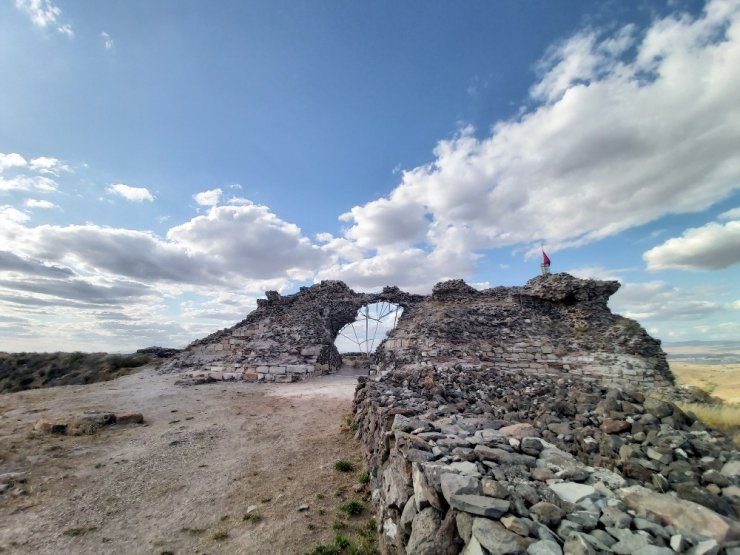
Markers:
<point>343,465</point>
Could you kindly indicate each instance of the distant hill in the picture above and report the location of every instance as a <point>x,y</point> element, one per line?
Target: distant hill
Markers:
<point>19,371</point>
<point>706,352</point>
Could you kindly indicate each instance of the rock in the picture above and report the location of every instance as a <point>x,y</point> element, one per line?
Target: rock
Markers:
<point>516,525</point>
<point>480,505</point>
<point>497,539</point>
<point>423,530</point>
<point>706,547</point>
<point>612,517</point>
<point>572,492</point>
<point>629,543</point>
<point>446,540</point>
<point>492,488</point>
<point>611,426</point>
<point>678,543</point>
<point>504,457</point>
<point>586,519</point>
<point>473,547</point>
<point>303,507</point>
<point>731,469</point>
<point>407,515</point>
<point>653,550</point>
<point>464,523</point>
<point>659,409</point>
<point>697,494</point>
<point>546,513</point>
<point>576,544</point>
<point>683,515</point>
<point>544,547</point>
<point>50,427</point>
<point>455,484</point>
<point>465,468</point>
<point>518,431</point>
<point>129,418</point>
<point>390,531</point>
<point>424,495</point>
<point>396,483</point>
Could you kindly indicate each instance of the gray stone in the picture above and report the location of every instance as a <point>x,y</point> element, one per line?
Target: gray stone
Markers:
<point>603,537</point>
<point>424,495</point>
<point>407,515</point>
<point>678,543</point>
<point>586,519</point>
<point>456,484</point>
<point>731,468</point>
<point>473,547</point>
<point>480,505</point>
<point>576,544</point>
<point>613,517</point>
<point>653,550</point>
<point>516,525</point>
<point>497,539</point>
<point>492,488</point>
<point>546,513</point>
<point>544,547</point>
<point>629,543</point>
<point>681,514</point>
<point>423,529</point>
<point>464,523</point>
<point>572,492</point>
<point>706,547</point>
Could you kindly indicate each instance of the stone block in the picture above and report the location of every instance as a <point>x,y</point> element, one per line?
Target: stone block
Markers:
<point>277,370</point>
<point>129,418</point>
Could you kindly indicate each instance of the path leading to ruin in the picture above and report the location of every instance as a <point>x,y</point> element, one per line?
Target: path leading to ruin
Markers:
<point>184,480</point>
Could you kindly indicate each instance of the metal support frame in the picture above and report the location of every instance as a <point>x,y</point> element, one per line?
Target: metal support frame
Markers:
<point>383,310</point>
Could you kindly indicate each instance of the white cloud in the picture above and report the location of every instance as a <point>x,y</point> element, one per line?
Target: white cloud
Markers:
<point>733,214</point>
<point>28,183</point>
<point>711,247</point>
<point>48,165</point>
<point>35,203</point>
<point>107,40</point>
<point>134,194</point>
<point>626,128</point>
<point>12,160</point>
<point>658,301</point>
<point>208,198</point>
<point>10,215</point>
<point>43,14</point>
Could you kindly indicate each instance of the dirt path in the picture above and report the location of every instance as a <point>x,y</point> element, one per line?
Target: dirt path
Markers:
<point>182,482</point>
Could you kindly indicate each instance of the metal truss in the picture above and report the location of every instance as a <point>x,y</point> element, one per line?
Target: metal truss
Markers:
<point>380,314</point>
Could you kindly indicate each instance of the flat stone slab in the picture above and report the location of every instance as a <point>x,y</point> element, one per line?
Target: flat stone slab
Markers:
<point>479,505</point>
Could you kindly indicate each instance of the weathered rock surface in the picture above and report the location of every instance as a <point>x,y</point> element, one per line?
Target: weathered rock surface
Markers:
<point>542,459</point>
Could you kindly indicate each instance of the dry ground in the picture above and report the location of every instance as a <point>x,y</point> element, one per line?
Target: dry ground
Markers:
<point>720,380</point>
<point>182,482</point>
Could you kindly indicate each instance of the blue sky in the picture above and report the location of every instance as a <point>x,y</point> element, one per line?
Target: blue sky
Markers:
<point>163,163</point>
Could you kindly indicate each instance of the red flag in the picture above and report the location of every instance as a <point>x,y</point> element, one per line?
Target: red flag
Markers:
<point>545,258</point>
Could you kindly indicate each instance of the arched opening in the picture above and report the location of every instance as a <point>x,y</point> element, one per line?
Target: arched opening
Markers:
<point>372,324</point>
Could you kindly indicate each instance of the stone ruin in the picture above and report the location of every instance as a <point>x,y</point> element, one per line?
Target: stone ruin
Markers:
<point>505,421</point>
<point>555,324</point>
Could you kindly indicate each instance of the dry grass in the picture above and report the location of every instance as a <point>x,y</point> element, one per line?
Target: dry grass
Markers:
<point>719,380</point>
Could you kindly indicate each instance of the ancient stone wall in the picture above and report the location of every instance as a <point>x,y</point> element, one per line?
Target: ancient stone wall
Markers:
<point>286,338</point>
<point>554,325</point>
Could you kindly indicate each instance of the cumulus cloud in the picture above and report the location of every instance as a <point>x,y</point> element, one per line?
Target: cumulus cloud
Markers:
<point>107,40</point>
<point>45,14</point>
<point>713,246</point>
<point>624,128</point>
<point>35,203</point>
<point>250,240</point>
<point>11,160</point>
<point>244,246</point>
<point>134,194</point>
<point>38,183</point>
<point>208,198</point>
<point>659,301</point>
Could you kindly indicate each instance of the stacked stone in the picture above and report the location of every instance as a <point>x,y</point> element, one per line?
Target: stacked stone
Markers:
<point>287,338</point>
<point>476,461</point>
<point>554,325</point>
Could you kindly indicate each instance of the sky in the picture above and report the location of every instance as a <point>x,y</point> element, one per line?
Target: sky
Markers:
<point>162,164</point>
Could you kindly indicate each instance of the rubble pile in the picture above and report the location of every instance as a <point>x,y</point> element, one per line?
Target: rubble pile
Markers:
<point>478,461</point>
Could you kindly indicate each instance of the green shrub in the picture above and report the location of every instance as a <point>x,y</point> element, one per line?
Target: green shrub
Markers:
<point>343,465</point>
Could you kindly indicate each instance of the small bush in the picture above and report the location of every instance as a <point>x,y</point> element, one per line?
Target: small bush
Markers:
<point>221,535</point>
<point>343,465</point>
<point>352,508</point>
<point>363,478</point>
